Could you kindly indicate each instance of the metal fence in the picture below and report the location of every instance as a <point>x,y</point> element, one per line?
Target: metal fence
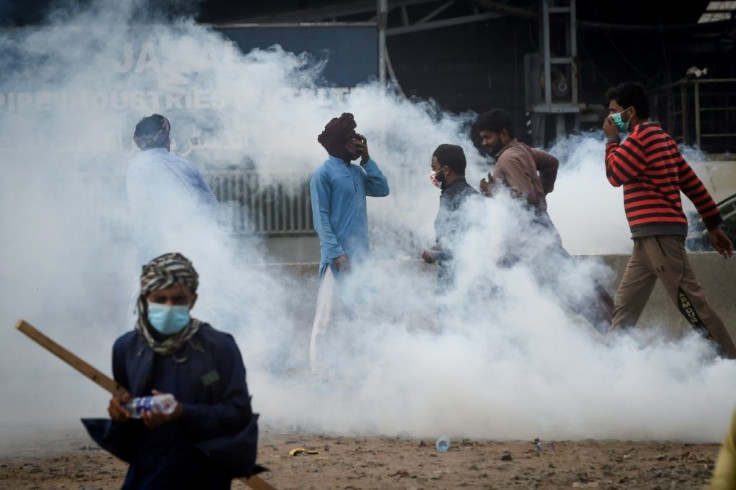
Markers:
<point>698,239</point>
<point>262,205</point>
<point>699,112</point>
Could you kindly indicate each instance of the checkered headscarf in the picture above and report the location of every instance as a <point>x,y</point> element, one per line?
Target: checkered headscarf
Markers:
<point>164,272</point>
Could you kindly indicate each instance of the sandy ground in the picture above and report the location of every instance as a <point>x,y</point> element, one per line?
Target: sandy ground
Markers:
<point>72,462</point>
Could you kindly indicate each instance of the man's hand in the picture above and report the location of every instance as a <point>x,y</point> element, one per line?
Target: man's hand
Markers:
<point>430,256</point>
<point>721,242</point>
<point>361,144</point>
<point>342,263</point>
<point>486,185</point>
<point>115,408</point>
<point>610,129</point>
<point>154,418</point>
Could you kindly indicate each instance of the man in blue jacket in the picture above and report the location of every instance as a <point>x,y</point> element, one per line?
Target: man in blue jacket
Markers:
<point>212,435</point>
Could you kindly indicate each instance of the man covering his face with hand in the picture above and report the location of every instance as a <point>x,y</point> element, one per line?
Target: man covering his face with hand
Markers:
<point>653,173</point>
<point>338,191</point>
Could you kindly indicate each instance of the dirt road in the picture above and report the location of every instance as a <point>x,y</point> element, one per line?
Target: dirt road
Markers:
<point>394,463</point>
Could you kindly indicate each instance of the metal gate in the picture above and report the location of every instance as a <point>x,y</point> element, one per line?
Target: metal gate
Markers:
<point>252,204</point>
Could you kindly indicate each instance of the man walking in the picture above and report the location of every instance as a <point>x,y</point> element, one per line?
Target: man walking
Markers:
<point>653,173</point>
<point>448,172</point>
<point>530,175</point>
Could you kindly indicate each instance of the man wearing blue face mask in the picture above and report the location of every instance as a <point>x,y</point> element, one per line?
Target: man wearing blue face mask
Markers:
<point>653,173</point>
<point>211,437</point>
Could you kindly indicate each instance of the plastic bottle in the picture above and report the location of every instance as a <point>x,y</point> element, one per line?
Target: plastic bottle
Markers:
<point>166,403</point>
<point>442,444</point>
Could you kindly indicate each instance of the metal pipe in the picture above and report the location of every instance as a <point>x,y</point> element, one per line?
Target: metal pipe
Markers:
<point>382,20</point>
<point>425,26</point>
<point>697,113</point>
<point>546,54</point>
<point>683,102</point>
<point>574,55</point>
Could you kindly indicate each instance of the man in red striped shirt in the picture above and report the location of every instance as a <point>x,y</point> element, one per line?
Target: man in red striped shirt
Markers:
<point>652,172</point>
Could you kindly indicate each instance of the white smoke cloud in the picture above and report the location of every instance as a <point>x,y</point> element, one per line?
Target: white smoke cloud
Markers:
<point>511,364</point>
<point>587,210</point>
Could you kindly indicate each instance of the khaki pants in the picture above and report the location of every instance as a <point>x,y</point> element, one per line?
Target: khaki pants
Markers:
<point>665,258</point>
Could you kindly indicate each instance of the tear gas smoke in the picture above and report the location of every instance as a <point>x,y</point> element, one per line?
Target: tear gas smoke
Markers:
<point>511,364</point>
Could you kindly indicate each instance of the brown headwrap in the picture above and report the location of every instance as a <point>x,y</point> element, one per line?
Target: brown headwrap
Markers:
<point>338,134</point>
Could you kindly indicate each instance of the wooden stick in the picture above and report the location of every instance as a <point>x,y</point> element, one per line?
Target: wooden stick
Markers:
<point>102,380</point>
<point>257,483</point>
<point>98,377</point>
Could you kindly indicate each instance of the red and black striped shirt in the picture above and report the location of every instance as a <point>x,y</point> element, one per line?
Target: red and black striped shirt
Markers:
<point>653,172</point>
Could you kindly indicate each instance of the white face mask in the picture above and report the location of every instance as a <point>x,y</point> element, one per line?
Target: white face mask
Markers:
<point>433,178</point>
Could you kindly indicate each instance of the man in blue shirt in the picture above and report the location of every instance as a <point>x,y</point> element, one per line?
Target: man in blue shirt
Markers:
<point>158,182</point>
<point>338,191</point>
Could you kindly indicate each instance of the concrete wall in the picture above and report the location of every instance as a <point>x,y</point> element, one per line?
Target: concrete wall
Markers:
<point>718,175</point>
<point>716,275</point>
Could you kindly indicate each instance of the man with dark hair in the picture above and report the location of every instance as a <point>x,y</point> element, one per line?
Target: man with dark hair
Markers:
<point>652,172</point>
<point>338,191</point>
<point>448,173</point>
<point>211,436</point>
<point>630,94</point>
<point>530,175</point>
<point>527,172</point>
<point>152,132</point>
<point>158,181</point>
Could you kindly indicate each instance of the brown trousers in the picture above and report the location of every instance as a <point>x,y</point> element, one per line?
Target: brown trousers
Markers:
<point>665,258</point>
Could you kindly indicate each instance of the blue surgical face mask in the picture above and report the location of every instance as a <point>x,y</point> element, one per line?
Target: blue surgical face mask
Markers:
<point>620,124</point>
<point>168,320</point>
